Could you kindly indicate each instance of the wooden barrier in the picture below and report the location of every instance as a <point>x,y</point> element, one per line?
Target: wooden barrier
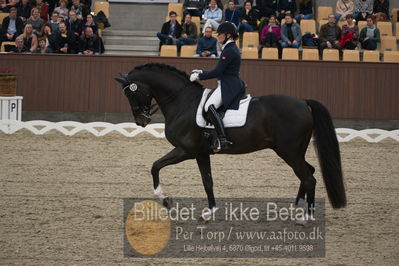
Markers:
<point>76,83</point>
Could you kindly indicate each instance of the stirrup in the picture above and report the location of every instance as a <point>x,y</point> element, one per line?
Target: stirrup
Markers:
<point>221,144</point>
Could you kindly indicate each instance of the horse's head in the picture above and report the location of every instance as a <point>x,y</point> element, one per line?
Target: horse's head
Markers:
<point>139,96</point>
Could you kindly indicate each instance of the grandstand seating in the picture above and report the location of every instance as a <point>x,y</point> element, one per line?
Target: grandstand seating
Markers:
<point>308,25</point>
<point>2,16</point>
<point>101,6</point>
<point>249,53</point>
<point>391,56</point>
<point>197,22</point>
<point>395,14</point>
<point>371,56</point>
<point>388,43</point>
<point>250,39</point>
<point>341,23</point>
<point>351,55</point>
<point>168,50</point>
<point>322,22</point>
<point>361,24</point>
<point>323,12</point>
<point>269,53</point>
<point>330,55</point>
<point>310,54</point>
<point>290,54</point>
<point>385,28</point>
<point>3,46</point>
<point>188,50</point>
<point>177,7</point>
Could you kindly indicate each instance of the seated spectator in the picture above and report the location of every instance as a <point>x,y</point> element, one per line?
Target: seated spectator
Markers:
<point>54,21</point>
<point>89,43</point>
<point>79,9</point>
<point>89,22</point>
<point>74,24</point>
<point>65,41</point>
<point>363,8</point>
<point>267,8</point>
<point>232,14</point>
<point>330,34</point>
<point>271,34</point>
<point>29,38</point>
<point>11,27</point>
<point>193,7</point>
<point>206,46</point>
<point>170,31</point>
<point>212,16</point>
<point>35,20</point>
<point>349,34</point>
<point>42,49</point>
<point>11,4</point>
<point>24,8</point>
<point>189,33</point>
<point>49,36</point>
<point>43,9</point>
<point>305,10</point>
<point>19,46</point>
<point>291,35</point>
<point>218,3</point>
<point>343,8</point>
<point>381,10</point>
<point>286,7</point>
<point>248,18</point>
<point>370,35</point>
<point>62,9</point>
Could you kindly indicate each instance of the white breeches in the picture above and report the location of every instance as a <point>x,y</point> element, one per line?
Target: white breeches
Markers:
<point>215,99</point>
<point>210,23</point>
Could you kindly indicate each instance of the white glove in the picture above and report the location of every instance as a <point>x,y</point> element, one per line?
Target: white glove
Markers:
<point>194,76</point>
<point>197,71</point>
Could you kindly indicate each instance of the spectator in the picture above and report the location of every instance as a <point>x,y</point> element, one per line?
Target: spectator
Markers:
<point>286,7</point>
<point>35,20</point>
<point>42,49</point>
<point>248,18</point>
<point>349,34</point>
<point>78,9</point>
<point>54,21</point>
<point>207,45</point>
<point>189,32</point>
<point>24,8</point>
<point>62,9</point>
<point>74,24</point>
<point>170,31</point>
<point>381,10</point>
<point>370,35</point>
<point>305,10</point>
<point>43,9</point>
<point>290,33</point>
<point>267,8</point>
<point>232,14</point>
<point>271,34</point>
<point>30,39</point>
<point>11,27</point>
<point>11,4</point>
<point>343,8</point>
<point>19,46</point>
<point>212,16</point>
<point>48,34</point>
<point>218,2</point>
<point>193,7</point>
<point>89,43</point>
<point>363,8</point>
<point>65,41</point>
<point>89,22</point>
<point>330,34</point>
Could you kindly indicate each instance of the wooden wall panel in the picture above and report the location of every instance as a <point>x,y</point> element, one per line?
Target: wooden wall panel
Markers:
<point>75,83</point>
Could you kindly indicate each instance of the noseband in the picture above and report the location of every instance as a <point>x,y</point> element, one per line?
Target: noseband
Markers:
<point>147,110</point>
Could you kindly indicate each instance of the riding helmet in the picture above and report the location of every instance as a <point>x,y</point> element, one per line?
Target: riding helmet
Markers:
<point>228,27</point>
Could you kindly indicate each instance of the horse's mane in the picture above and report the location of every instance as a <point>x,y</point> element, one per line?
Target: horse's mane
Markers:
<point>160,66</point>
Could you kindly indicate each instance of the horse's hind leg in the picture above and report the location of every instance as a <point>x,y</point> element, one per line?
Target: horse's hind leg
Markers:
<point>175,156</point>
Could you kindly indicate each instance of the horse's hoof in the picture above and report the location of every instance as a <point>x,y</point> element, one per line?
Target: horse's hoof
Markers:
<point>167,203</point>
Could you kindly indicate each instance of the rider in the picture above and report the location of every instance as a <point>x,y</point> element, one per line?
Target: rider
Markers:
<point>229,90</point>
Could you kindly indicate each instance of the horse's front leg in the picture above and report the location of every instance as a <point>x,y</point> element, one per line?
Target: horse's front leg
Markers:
<point>175,156</point>
<point>204,164</point>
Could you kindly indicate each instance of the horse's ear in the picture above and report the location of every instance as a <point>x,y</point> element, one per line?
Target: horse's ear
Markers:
<point>121,81</point>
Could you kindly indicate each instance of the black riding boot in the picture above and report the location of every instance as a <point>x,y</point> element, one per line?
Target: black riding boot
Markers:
<point>222,142</point>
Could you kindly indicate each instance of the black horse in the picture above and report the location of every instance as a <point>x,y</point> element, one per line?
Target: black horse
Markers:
<point>282,123</point>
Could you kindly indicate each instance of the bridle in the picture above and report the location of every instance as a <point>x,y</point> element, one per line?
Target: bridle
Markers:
<point>147,110</point>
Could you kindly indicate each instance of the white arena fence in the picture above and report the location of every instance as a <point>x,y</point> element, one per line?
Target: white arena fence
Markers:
<point>70,128</point>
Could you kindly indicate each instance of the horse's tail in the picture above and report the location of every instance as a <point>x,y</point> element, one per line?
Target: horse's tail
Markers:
<point>328,153</point>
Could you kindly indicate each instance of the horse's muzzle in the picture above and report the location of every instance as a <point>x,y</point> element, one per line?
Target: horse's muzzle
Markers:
<point>142,119</point>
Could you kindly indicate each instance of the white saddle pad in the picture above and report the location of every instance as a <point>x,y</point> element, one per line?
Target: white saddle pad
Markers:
<point>232,118</point>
